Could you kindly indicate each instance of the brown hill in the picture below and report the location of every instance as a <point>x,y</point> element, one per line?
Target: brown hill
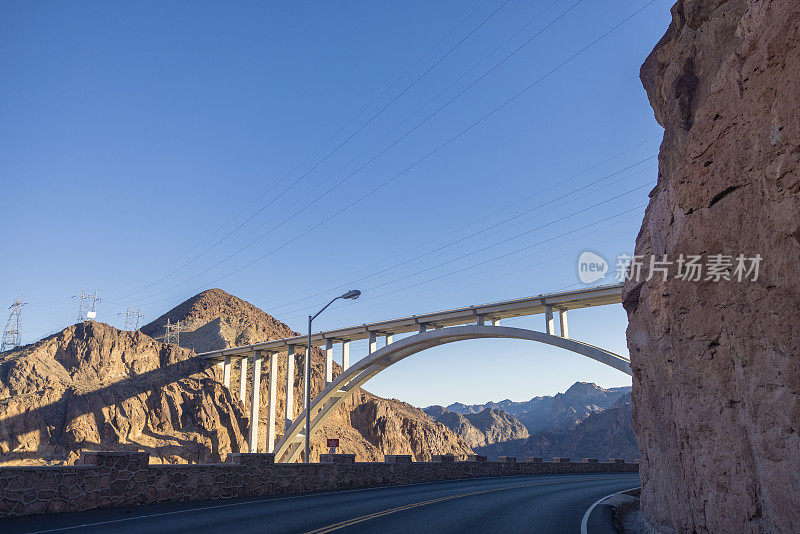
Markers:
<point>482,428</point>
<point>93,387</point>
<point>366,425</point>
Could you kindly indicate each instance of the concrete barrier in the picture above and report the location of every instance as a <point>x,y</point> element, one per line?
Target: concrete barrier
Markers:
<point>104,479</point>
<point>397,458</point>
<point>476,458</point>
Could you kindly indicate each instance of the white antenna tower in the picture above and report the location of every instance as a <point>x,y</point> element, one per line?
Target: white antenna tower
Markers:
<point>88,304</point>
<point>12,335</point>
<point>132,317</point>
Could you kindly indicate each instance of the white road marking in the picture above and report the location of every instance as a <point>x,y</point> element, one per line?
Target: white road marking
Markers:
<point>585,519</point>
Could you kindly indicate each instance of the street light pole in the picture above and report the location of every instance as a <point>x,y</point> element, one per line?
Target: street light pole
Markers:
<point>352,294</point>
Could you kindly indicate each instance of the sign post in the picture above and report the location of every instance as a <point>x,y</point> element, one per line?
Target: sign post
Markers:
<point>333,443</point>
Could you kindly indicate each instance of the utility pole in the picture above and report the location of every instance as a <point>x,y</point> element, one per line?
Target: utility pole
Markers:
<point>12,335</point>
<point>132,317</point>
<point>88,304</point>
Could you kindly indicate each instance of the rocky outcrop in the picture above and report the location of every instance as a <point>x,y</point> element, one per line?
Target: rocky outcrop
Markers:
<point>560,412</point>
<point>715,364</point>
<point>93,387</point>
<point>604,434</point>
<point>366,425</point>
<point>481,428</point>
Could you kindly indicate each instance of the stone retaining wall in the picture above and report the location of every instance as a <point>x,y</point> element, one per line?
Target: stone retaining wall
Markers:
<point>123,479</point>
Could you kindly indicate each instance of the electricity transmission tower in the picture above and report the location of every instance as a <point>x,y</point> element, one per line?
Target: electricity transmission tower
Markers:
<point>132,317</point>
<point>12,335</point>
<point>88,303</point>
<point>172,333</point>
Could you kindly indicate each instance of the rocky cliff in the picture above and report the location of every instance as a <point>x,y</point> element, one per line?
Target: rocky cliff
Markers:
<point>562,411</point>
<point>93,387</point>
<point>603,434</point>
<point>480,428</point>
<point>366,425</point>
<point>715,364</point>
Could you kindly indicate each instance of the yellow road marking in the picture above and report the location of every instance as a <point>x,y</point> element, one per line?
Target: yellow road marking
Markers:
<point>361,519</point>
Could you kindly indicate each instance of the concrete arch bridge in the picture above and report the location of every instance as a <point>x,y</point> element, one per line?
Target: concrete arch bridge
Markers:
<point>428,330</point>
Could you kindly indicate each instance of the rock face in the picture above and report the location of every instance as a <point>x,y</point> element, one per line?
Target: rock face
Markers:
<point>481,428</point>
<point>716,370</point>
<point>604,434</point>
<point>366,425</point>
<point>560,412</point>
<point>93,387</point>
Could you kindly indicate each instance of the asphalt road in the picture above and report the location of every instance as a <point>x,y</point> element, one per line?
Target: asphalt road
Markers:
<point>541,504</point>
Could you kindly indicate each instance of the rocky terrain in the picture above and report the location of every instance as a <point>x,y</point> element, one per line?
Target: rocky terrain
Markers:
<point>603,434</point>
<point>562,411</point>
<point>586,421</point>
<point>715,363</point>
<point>366,425</point>
<point>482,428</point>
<point>93,387</point>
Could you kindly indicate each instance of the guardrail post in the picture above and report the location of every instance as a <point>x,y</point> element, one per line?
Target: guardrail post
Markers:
<point>345,354</point>
<point>273,390</point>
<point>328,361</point>
<point>548,320</point>
<point>562,321</point>
<point>255,399</point>
<point>289,387</point>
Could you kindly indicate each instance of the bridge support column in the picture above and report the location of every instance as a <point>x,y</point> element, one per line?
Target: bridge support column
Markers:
<point>328,361</point>
<point>226,372</point>
<point>345,354</point>
<point>495,322</point>
<point>422,328</point>
<point>255,399</point>
<point>373,342</point>
<point>481,320</point>
<point>389,339</point>
<point>548,320</point>
<point>273,390</point>
<point>289,387</point>
<point>243,380</point>
<point>562,322</point>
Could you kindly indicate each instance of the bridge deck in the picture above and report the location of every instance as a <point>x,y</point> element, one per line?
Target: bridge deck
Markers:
<point>568,300</point>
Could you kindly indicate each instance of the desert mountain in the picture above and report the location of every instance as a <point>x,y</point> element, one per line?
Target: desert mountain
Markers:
<point>481,428</point>
<point>562,411</point>
<point>603,434</point>
<point>93,387</point>
<point>365,424</point>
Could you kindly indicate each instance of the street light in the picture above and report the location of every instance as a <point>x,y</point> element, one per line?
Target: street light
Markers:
<point>352,294</point>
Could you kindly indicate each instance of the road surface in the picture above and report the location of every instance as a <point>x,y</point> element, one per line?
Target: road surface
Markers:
<point>541,503</point>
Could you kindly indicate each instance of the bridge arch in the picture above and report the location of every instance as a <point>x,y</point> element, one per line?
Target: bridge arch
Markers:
<point>324,404</point>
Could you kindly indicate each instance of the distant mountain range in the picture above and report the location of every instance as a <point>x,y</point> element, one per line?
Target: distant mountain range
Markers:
<point>584,421</point>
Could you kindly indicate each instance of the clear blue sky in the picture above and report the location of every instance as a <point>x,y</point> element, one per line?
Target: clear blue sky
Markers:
<point>137,135</point>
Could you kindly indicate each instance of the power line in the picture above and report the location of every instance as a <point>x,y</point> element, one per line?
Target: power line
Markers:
<point>337,147</point>
<point>410,167</point>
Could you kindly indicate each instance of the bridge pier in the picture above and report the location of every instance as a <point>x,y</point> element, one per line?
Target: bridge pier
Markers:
<point>273,390</point>
<point>562,321</point>
<point>548,320</point>
<point>345,354</point>
<point>328,361</point>
<point>255,399</point>
<point>373,342</point>
<point>243,380</point>
<point>289,386</point>
<point>226,372</point>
